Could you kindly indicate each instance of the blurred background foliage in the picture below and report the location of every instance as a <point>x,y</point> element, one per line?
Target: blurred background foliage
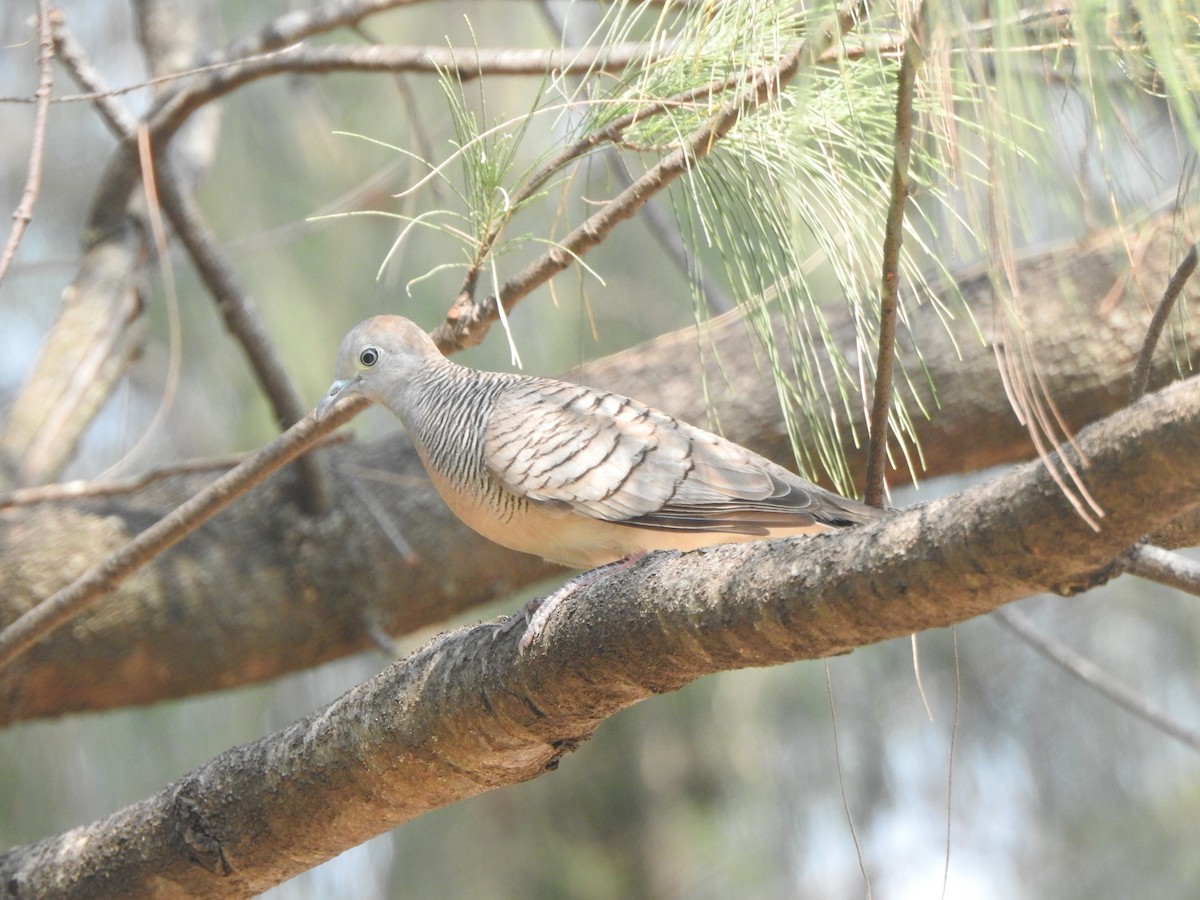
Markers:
<point>1021,782</point>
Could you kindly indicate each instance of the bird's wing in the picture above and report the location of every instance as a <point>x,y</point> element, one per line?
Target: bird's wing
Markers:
<point>612,458</point>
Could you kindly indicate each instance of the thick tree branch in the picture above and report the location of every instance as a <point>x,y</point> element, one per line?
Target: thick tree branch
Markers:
<point>469,713</point>
<point>100,580</point>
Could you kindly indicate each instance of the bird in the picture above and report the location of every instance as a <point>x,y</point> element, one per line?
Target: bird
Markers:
<point>580,476</point>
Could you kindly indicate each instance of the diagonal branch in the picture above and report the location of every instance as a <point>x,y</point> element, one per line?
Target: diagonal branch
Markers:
<point>1141,372</point>
<point>98,581</point>
<point>37,147</point>
<point>467,321</point>
<point>1094,677</point>
<point>122,125</point>
<point>241,318</point>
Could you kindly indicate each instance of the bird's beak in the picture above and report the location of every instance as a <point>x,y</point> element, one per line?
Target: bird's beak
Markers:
<point>336,391</point>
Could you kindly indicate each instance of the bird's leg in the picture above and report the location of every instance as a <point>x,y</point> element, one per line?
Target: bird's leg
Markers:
<point>537,611</point>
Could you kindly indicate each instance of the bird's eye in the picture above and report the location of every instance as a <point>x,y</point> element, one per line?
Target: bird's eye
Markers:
<point>368,356</point>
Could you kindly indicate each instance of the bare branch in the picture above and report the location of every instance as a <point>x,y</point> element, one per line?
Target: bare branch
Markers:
<point>1141,372</point>
<point>1157,564</point>
<point>37,148</point>
<point>122,125</point>
<point>296,25</point>
<point>466,63</point>
<point>1094,677</point>
<point>87,490</point>
<point>242,319</point>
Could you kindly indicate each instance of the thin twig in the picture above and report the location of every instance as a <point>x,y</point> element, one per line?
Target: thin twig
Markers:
<point>102,578</point>
<point>243,321</point>
<point>90,490</point>
<point>1141,371</point>
<point>950,761</point>
<point>37,148</point>
<point>467,320</point>
<point>387,524</point>
<point>1161,565</point>
<point>610,133</point>
<point>468,63</point>
<point>74,59</point>
<point>1094,677</point>
<point>893,236</point>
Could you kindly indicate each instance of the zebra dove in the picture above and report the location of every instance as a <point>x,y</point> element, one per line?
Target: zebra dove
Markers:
<point>579,476</point>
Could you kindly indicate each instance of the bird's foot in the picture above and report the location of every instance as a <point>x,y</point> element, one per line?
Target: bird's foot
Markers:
<point>537,611</point>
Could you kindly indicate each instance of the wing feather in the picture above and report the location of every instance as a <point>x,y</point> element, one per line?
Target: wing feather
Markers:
<point>612,458</point>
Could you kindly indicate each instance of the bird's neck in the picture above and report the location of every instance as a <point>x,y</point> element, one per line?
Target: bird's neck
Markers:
<point>445,409</point>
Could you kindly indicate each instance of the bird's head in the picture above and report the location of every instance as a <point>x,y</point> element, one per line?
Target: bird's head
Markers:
<point>377,357</point>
